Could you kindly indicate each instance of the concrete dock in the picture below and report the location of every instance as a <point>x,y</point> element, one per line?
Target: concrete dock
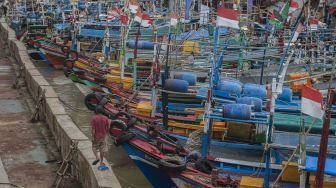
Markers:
<point>18,139</point>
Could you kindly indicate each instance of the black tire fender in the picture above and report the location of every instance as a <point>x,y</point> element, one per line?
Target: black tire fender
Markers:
<point>122,114</point>
<point>204,166</point>
<point>88,101</point>
<point>30,42</point>
<point>172,165</point>
<point>68,63</point>
<point>131,122</point>
<point>100,79</point>
<point>66,71</point>
<point>117,124</point>
<point>65,49</point>
<point>123,138</point>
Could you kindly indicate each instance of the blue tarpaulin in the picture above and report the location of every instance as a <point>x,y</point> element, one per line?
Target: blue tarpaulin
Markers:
<point>61,26</point>
<point>196,35</point>
<point>97,33</point>
<point>330,165</point>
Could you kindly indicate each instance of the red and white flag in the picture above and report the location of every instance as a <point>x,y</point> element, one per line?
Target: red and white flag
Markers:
<point>227,18</point>
<point>293,5</point>
<point>124,19</point>
<point>173,19</point>
<point>133,6</point>
<point>146,20</point>
<point>312,102</point>
<point>313,23</point>
<point>297,32</point>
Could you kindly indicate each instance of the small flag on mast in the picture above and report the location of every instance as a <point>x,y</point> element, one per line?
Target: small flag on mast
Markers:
<point>297,32</point>
<point>227,18</point>
<point>312,102</point>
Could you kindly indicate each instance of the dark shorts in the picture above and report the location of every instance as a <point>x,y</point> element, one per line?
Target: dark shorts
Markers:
<point>99,145</point>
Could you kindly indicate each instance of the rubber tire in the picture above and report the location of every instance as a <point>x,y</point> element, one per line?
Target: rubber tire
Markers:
<point>65,49</point>
<point>131,123</point>
<point>37,45</point>
<point>172,165</point>
<point>123,138</point>
<point>118,124</point>
<point>30,42</point>
<point>103,101</point>
<point>79,72</point>
<point>68,63</point>
<point>88,98</point>
<point>121,114</point>
<point>66,71</point>
<point>72,55</point>
<point>99,79</point>
<point>204,166</point>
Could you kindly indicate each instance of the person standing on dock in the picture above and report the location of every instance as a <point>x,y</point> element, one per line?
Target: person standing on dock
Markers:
<point>100,125</point>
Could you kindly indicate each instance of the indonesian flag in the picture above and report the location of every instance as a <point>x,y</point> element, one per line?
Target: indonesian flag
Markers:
<point>133,6</point>
<point>146,20</point>
<point>227,18</point>
<point>124,19</point>
<point>293,6</point>
<point>312,102</point>
<point>297,32</point>
<point>173,19</point>
<point>313,24</point>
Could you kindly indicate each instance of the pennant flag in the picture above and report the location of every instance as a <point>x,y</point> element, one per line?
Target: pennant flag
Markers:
<point>133,6</point>
<point>204,17</point>
<point>227,18</point>
<point>146,20</point>
<point>173,19</point>
<point>313,23</point>
<point>297,32</point>
<point>312,102</point>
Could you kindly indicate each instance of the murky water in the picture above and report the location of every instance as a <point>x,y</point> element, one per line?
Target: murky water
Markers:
<point>124,168</point>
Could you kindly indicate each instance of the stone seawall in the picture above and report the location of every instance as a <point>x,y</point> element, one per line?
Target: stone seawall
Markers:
<point>52,111</point>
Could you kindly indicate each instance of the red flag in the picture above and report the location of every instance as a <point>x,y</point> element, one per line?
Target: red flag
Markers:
<point>227,18</point>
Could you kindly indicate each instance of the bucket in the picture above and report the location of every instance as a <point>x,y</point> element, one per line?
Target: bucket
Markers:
<point>176,85</point>
<point>256,103</point>
<point>237,111</point>
<point>255,90</point>
<point>187,76</point>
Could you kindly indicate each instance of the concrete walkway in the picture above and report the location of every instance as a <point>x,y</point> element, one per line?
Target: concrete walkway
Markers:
<point>24,146</point>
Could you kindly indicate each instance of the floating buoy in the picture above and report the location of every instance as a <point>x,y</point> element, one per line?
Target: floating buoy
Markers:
<point>191,78</point>
<point>176,85</point>
<point>255,103</point>
<point>237,111</point>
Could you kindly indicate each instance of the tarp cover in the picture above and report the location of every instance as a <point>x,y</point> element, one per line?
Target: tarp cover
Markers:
<point>330,165</point>
<point>97,33</point>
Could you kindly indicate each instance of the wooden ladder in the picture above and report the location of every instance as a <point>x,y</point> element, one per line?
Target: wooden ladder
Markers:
<point>66,164</point>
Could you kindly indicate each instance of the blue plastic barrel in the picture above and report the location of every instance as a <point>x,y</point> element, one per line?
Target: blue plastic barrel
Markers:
<point>255,90</point>
<point>176,85</point>
<point>256,103</point>
<point>286,95</point>
<point>230,86</point>
<point>191,78</point>
<point>237,111</point>
<point>141,44</point>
